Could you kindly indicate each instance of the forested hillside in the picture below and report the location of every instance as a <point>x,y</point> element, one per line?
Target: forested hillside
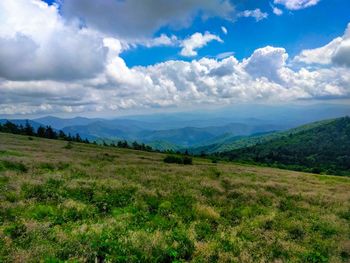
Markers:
<point>322,149</point>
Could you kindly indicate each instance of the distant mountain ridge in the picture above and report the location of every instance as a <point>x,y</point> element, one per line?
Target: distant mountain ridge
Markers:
<point>229,142</point>
<point>182,137</point>
<point>197,131</point>
<point>157,132</point>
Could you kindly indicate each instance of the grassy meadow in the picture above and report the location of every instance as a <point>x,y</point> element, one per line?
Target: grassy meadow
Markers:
<point>63,202</point>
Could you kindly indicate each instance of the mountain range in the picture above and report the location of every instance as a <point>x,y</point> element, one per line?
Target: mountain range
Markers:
<point>318,147</point>
<point>211,131</point>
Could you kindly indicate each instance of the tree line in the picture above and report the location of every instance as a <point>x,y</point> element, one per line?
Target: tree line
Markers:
<point>43,132</point>
<point>49,133</point>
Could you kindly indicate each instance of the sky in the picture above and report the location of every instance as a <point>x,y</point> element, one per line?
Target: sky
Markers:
<point>111,57</point>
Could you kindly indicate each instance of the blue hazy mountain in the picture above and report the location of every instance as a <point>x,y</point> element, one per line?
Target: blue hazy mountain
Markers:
<point>59,123</point>
<point>207,130</point>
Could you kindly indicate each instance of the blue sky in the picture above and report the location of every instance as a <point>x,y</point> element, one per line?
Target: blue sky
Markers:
<point>294,30</point>
<point>115,56</point>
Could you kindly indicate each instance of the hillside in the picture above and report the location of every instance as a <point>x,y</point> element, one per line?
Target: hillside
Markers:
<point>228,142</point>
<point>86,203</point>
<point>322,147</point>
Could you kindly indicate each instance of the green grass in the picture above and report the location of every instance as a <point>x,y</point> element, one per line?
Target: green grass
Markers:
<point>87,203</point>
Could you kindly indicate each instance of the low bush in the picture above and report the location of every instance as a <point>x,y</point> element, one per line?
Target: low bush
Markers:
<point>178,159</point>
<point>42,192</point>
<point>106,199</point>
<point>13,166</point>
<point>173,159</point>
<point>16,230</point>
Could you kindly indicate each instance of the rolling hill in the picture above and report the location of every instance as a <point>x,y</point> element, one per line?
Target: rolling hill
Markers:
<point>89,203</point>
<point>228,142</point>
<point>322,147</point>
<point>156,133</point>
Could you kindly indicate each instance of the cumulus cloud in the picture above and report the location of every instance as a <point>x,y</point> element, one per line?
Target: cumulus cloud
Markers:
<point>322,55</point>
<point>277,11</point>
<point>341,55</point>
<point>196,41</point>
<point>35,43</point>
<point>135,19</point>
<point>266,62</point>
<point>264,76</point>
<point>296,4</point>
<point>337,52</point>
<point>256,13</point>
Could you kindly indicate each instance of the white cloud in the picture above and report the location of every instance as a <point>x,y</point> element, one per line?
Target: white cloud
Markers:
<point>264,76</point>
<point>341,55</point>
<point>322,55</point>
<point>196,41</point>
<point>277,11</point>
<point>256,13</point>
<point>266,62</point>
<point>162,40</point>
<point>296,4</point>
<point>35,43</point>
<point>135,19</point>
<point>224,30</point>
<point>337,52</point>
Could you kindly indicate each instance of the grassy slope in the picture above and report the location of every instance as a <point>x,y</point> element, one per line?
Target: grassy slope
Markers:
<point>91,202</point>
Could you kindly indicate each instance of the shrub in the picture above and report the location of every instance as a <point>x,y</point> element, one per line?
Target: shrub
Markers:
<point>16,230</point>
<point>315,257</point>
<point>187,160</point>
<point>164,208</point>
<point>214,161</point>
<point>72,211</point>
<point>84,193</point>
<point>13,166</point>
<point>68,146</point>
<point>296,232</point>
<point>6,214</point>
<point>178,159</point>
<point>41,212</point>
<point>106,199</point>
<point>42,192</point>
<point>203,230</point>
<point>184,248</point>
<point>3,181</point>
<point>173,159</point>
